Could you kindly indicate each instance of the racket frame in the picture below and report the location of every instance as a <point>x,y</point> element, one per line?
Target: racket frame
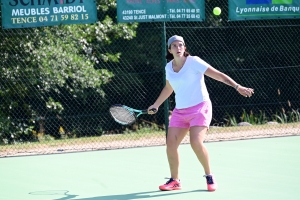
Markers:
<point>134,112</point>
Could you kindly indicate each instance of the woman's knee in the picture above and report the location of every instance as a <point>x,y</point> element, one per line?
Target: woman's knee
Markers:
<point>196,143</point>
<point>171,146</point>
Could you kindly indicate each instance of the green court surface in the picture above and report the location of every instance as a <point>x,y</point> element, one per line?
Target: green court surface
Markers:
<point>257,169</point>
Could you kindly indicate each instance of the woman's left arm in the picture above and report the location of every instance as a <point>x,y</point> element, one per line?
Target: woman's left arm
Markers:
<point>219,76</point>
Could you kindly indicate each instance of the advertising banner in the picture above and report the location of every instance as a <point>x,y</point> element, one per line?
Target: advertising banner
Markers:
<point>160,10</point>
<point>263,9</point>
<point>35,13</point>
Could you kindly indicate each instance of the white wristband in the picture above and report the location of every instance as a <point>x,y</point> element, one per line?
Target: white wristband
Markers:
<point>237,86</point>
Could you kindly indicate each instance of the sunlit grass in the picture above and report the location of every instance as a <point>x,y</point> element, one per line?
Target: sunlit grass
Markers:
<point>129,136</point>
<point>145,132</point>
<point>261,127</point>
<point>141,135</point>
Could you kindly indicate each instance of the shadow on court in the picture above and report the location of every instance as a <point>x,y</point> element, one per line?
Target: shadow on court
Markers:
<point>138,195</point>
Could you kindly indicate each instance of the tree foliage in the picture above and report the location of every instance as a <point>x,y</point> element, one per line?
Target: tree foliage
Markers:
<point>49,60</point>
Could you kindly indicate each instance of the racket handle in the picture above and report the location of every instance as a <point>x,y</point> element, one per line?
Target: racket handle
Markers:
<point>152,109</point>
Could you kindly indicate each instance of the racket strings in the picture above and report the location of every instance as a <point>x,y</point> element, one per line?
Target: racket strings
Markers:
<point>122,115</point>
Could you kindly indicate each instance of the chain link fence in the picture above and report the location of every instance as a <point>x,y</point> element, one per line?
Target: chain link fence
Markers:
<point>57,83</point>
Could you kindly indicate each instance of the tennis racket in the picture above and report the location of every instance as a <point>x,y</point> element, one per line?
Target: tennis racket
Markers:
<point>125,115</point>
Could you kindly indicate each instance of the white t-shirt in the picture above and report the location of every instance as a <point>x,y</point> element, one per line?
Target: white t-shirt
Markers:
<point>188,84</point>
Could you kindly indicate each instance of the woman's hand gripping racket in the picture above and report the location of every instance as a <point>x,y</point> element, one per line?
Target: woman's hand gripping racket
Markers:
<point>125,115</point>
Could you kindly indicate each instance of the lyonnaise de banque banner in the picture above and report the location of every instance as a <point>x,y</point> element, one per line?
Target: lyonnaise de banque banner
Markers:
<point>263,9</point>
<point>35,13</point>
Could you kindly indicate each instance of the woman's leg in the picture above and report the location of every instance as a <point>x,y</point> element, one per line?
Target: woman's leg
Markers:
<point>174,138</point>
<point>197,136</point>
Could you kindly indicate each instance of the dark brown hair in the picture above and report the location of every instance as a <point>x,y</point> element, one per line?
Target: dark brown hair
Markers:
<point>170,56</point>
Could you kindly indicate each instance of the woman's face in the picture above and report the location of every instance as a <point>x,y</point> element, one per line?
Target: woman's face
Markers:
<point>177,49</point>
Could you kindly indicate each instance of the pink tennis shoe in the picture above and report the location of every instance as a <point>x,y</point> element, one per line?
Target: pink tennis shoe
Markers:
<point>171,184</point>
<point>211,182</point>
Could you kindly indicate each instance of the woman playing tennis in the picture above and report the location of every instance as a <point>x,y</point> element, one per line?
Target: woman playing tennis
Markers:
<point>193,110</point>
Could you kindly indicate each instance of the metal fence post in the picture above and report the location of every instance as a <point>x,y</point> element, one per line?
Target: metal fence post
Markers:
<point>164,62</point>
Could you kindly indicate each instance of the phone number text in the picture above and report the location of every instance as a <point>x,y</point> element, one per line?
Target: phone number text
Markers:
<point>49,18</point>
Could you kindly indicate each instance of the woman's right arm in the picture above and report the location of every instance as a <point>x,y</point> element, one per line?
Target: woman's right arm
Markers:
<point>165,93</point>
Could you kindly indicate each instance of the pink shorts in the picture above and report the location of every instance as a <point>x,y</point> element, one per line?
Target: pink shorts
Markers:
<point>198,115</point>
